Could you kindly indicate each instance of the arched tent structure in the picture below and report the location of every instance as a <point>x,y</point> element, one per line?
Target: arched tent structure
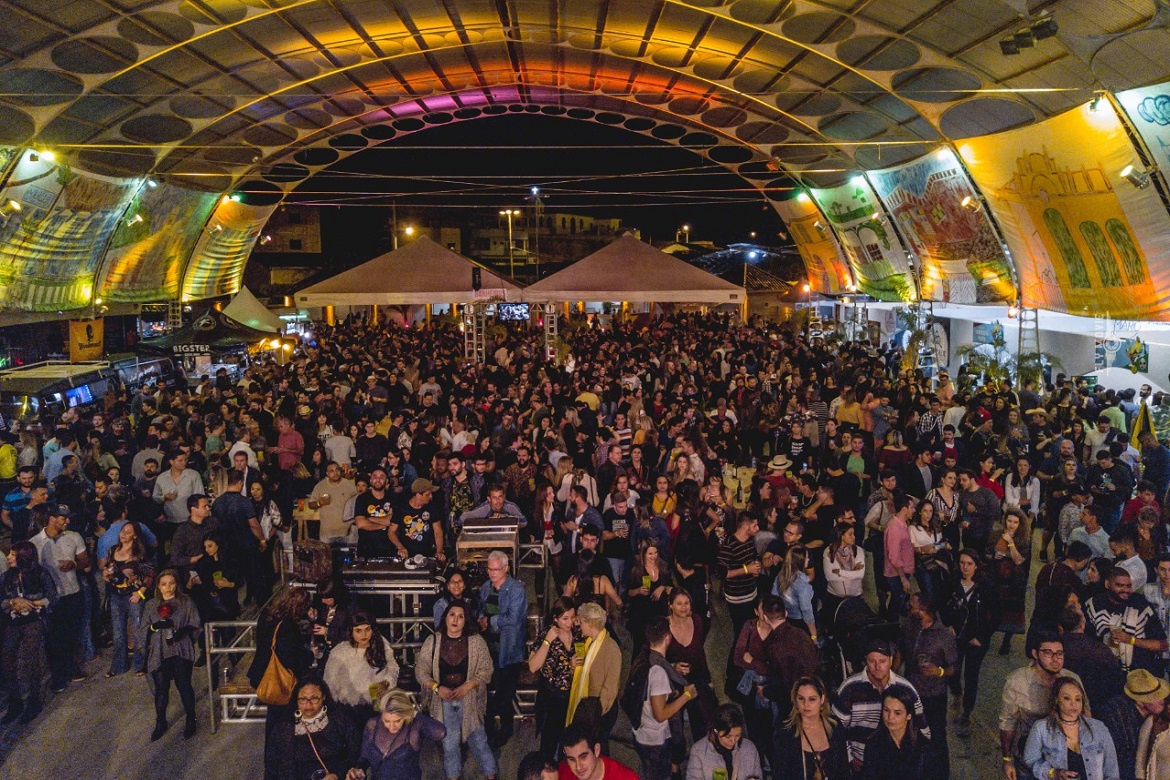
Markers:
<point>207,97</point>
<point>633,271</point>
<point>246,309</point>
<point>420,272</point>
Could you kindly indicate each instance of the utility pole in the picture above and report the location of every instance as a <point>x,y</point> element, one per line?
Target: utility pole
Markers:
<point>537,207</point>
<point>509,213</point>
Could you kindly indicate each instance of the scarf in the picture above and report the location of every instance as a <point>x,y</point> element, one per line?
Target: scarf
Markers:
<point>312,725</point>
<point>580,687</point>
<point>845,557</point>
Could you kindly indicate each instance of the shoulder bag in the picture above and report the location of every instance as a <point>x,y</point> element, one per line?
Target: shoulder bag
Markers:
<point>276,686</point>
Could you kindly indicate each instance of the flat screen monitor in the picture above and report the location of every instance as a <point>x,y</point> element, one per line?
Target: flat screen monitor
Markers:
<point>512,312</point>
<point>76,396</point>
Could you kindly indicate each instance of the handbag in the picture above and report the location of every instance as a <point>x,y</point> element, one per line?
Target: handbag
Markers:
<point>276,686</point>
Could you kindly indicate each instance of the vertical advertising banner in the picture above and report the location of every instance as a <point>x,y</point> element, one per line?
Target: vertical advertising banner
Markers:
<point>86,339</point>
<point>147,252</point>
<point>877,257</point>
<point>1148,109</point>
<point>1084,240</point>
<point>828,272</point>
<point>50,248</point>
<point>217,265</point>
<point>962,259</point>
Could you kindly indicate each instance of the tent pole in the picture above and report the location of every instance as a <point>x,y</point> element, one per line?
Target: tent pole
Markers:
<point>330,316</point>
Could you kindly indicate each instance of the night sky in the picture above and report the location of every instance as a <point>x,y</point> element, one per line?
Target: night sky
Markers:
<point>467,168</point>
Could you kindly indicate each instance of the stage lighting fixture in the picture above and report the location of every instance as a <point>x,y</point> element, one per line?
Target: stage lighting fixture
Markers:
<point>1045,28</point>
<point>1008,47</point>
<point>1139,179</point>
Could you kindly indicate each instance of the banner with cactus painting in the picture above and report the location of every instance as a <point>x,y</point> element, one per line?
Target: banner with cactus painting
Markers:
<point>1148,109</point>
<point>877,257</point>
<point>151,245</point>
<point>828,270</point>
<point>962,258</point>
<point>51,245</point>
<point>1083,239</point>
<point>217,264</point>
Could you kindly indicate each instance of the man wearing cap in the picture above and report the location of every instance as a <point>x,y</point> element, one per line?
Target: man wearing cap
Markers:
<point>63,553</point>
<point>1027,695</point>
<point>858,705</point>
<point>417,528</point>
<point>1144,696</point>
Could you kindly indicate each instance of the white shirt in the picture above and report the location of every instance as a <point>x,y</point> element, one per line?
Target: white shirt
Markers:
<point>653,732</point>
<point>51,552</point>
<point>340,449</point>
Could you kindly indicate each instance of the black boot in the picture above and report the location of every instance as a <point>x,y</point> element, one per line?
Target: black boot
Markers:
<point>160,728</point>
<point>32,708</point>
<point>15,707</point>
<point>1005,647</point>
<point>189,728</point>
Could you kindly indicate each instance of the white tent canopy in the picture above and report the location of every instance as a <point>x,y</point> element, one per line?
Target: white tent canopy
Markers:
<point>421,272</point>
<point>244,308</point>
<point>630,270</point>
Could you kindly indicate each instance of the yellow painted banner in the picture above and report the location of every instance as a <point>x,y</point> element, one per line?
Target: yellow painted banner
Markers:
<point>828,270</point>
<point>86,339</point>
<point>1084,240</point>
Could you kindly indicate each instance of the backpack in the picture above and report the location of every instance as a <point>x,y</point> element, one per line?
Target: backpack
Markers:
<point>634,696</point>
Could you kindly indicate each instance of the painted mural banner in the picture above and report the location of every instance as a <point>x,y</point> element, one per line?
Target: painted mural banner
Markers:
<point>1083,240</point>
<point>962,258</point>
<point>877,257</point>
<point>151,245</point>
<point>217,265</point>
<point>1148,109</point>
<point>827,267</point>
<point>50,248</point>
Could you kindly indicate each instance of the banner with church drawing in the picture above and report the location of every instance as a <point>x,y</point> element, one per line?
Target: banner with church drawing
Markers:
<point>217,264</point>
<point>962,258</point>
<point>151,245</point>
<point>52,239</point>
<point>827,267</point>
<point>877,257</point>
<point>1083,239</point>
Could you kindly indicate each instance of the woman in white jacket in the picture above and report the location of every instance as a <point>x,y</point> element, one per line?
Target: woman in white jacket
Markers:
<point>844,568</point>
<point>1021,489</point>
<point>359,671</point>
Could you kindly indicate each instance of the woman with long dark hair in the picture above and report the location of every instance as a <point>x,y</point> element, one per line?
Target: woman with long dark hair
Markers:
<point>168,632</point>
<point>453,668</point>
<point>129,577</point>
<point>283,629</point>
<point>648,583</point>
<point>897,748</point>
<point>554,659</point>
<point>317,741</point>
<point>26,592</point>
<point>971,610</point>
<point>360,670</point>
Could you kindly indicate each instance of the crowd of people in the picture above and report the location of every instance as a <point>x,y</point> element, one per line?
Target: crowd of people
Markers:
<point>867,533</point>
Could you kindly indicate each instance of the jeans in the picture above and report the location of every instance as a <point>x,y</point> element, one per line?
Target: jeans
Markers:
<point>122,611</point>
<point>970,662</point>
<point>898,597</point>
<point>655,760</point>
<point>65,622</point>
<point>453,743</point>
<point>90,616</point>
<point>618,567</point>
<point>23,660</point>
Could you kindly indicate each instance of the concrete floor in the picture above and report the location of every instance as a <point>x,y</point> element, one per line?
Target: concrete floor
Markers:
<point>100,729</point>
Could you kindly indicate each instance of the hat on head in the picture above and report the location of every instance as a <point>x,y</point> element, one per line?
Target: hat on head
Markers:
<point>983,415</point>
<point>1144,688</point>
<point>423,485</point>
<point>61,510</point>
<point>879,646</point>
<point>1038,410</point>
<point>779,463</point>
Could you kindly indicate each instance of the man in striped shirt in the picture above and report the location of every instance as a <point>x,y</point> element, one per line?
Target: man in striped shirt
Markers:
<point>859,700</point>
<point>740,565</point>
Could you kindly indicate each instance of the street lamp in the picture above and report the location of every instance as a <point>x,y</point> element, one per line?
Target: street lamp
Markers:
<point>510,213</point>
<point>686,229</point>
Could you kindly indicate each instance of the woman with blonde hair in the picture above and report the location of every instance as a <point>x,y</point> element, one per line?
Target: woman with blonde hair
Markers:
<point>391,742</point>
<point>809,744</point>
<point>793,585</point>
<point>1069,744</point>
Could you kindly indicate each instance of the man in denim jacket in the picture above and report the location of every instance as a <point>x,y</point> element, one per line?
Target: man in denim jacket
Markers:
<point>503,611</point>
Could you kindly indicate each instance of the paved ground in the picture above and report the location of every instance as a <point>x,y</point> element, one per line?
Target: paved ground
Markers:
<point>100,729</point>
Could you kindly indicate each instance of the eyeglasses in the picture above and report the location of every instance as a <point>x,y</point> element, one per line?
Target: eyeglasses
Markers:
<point>308,699</point>
<point>1052,653</point>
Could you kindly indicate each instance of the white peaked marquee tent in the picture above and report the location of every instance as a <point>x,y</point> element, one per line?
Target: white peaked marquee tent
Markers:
<point>419,273</point>
<point>246,309</point>
<point>633,271</point>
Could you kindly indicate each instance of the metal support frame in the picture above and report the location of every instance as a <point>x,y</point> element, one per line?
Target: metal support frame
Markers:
<point>474,337</point>
<point>174,315</point>
<point>1028,338</point>
<point>551,331</point>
